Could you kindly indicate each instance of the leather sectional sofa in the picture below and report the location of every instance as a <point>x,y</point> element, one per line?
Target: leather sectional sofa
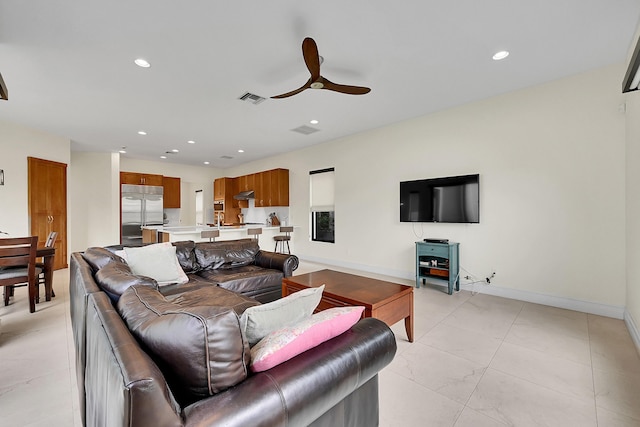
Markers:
<point>122,381</point>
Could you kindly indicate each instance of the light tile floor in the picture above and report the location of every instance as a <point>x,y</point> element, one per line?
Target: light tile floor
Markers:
<point>477,361</point>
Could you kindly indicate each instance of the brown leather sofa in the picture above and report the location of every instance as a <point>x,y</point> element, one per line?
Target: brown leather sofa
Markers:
<point>237,265</point>
<point>121,384</point>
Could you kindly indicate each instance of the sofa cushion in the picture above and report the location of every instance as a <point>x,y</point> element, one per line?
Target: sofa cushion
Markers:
<point>99,257</point>
<point>259,321</point>
<point>185,252</point>
<point>244,279</point>
<point>116,277</point>
<point>194,296</point>
<point>285,343</point>
<point>158,261</point>
<point>226,254</point>
<point>200,349</point>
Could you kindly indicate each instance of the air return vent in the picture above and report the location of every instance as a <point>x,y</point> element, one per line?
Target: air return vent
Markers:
<point>226,157</point>
<point>305,130</point>
<point>253,98</point>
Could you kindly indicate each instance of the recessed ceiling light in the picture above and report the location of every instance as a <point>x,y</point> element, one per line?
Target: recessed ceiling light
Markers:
<point>175,151</point>
<point>163,157</point>
<point>500,55</point>
<point>141,132</point>
<point>191,142</point>
<point>240,151</point>
<point>206,163</point>
<point>142,63</point>
<point>313,122</point>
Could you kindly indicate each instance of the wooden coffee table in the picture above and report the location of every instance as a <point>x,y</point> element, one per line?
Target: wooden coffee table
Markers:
<point>389,302</point>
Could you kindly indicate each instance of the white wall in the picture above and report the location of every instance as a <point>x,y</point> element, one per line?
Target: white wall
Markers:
<point>94,196</point>
<point>551,160</point>
<point>16,144</point>
<point>633,214</point>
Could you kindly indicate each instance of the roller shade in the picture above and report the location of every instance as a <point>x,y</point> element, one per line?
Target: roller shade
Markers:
<point>322,185</point>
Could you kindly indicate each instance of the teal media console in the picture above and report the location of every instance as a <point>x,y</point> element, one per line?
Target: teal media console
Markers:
<point>438,260</point>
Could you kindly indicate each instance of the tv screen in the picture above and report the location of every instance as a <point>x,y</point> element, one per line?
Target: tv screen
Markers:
<point>454,199</point>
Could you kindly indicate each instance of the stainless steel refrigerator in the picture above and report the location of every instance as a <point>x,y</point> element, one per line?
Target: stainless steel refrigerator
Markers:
<point>141,206</point>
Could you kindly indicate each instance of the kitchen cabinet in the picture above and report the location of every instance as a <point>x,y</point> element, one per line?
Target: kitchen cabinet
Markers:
<point>272,188</point>
<point>224,187</point>
<point>136,178</point>
<point>223,191</point>
<point>246,182</point>
<point>47,192</point>
<point>171,193</point>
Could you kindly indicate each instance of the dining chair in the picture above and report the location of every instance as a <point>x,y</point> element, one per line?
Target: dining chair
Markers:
<point>18,265</point>
<point>283,238</point>
<point>49,243</point>
<point>51,240</point>
<point>210,234</point>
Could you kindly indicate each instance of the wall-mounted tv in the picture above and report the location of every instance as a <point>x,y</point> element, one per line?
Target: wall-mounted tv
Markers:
<point>454,199</point>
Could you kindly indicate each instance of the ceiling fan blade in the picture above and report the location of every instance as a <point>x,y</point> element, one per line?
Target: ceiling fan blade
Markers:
<point>307,85</point>
<point>4,93</point>
<point>311,57</point>
<point>351,90</point>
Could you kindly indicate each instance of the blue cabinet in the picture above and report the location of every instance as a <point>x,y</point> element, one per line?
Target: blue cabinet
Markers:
<point>438,260</point>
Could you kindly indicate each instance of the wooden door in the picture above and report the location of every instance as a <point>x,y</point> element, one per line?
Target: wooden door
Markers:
<point>48,204</point>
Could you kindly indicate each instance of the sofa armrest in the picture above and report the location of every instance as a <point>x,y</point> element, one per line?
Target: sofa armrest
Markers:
<point>283,262</point>
<point>300,390</point>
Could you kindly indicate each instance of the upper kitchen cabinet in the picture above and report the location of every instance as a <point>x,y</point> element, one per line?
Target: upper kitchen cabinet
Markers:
<point>272,188</point>
<point>223,187</point>
<point>171,196</point>
<point>246,182</point>
<point>136,178</point>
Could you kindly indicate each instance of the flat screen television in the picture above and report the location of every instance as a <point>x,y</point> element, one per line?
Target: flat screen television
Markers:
<point>454,199</point>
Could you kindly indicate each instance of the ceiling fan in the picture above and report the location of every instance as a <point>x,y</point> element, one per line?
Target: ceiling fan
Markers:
<point>316,81</point>
<point>4,93</point>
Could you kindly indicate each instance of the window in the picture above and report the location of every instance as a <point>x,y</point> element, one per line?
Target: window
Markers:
<point>322,205</point>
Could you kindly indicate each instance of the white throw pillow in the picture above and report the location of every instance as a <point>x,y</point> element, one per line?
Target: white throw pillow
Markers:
<point>259,321</point>
<point>157,261</point>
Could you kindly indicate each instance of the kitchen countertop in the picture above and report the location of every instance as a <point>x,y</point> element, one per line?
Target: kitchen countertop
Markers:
<point>199,228</point>
<point>227,232</point>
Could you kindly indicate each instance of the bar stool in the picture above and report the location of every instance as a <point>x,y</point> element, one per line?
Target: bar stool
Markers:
<point>210,234</point>
<point>254,233</point>
<point>284,238</point>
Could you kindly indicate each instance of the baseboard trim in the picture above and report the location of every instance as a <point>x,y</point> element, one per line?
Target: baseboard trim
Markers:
<point>633,329</point>
<point>616,312</point>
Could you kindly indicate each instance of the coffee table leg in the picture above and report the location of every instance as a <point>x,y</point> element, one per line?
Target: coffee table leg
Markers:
<point>408,325</point>
<point>408,321</point>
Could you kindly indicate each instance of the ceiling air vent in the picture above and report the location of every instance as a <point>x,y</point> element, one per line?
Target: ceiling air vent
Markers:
<point>250,97</point>
<point>226,157</point>
<point>305,130</point>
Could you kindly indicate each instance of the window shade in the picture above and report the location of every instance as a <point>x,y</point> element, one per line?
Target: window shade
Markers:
<point>322,191</point>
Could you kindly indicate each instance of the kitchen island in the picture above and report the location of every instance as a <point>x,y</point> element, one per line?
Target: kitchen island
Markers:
<point>154,234</point>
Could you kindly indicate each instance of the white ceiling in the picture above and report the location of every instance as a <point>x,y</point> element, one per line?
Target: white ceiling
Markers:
<point>68,66</point>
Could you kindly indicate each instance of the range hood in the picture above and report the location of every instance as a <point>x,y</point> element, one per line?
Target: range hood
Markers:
<point>245,195</point>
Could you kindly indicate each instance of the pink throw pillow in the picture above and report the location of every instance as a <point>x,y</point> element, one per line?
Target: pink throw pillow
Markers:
<point>283,344</point>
